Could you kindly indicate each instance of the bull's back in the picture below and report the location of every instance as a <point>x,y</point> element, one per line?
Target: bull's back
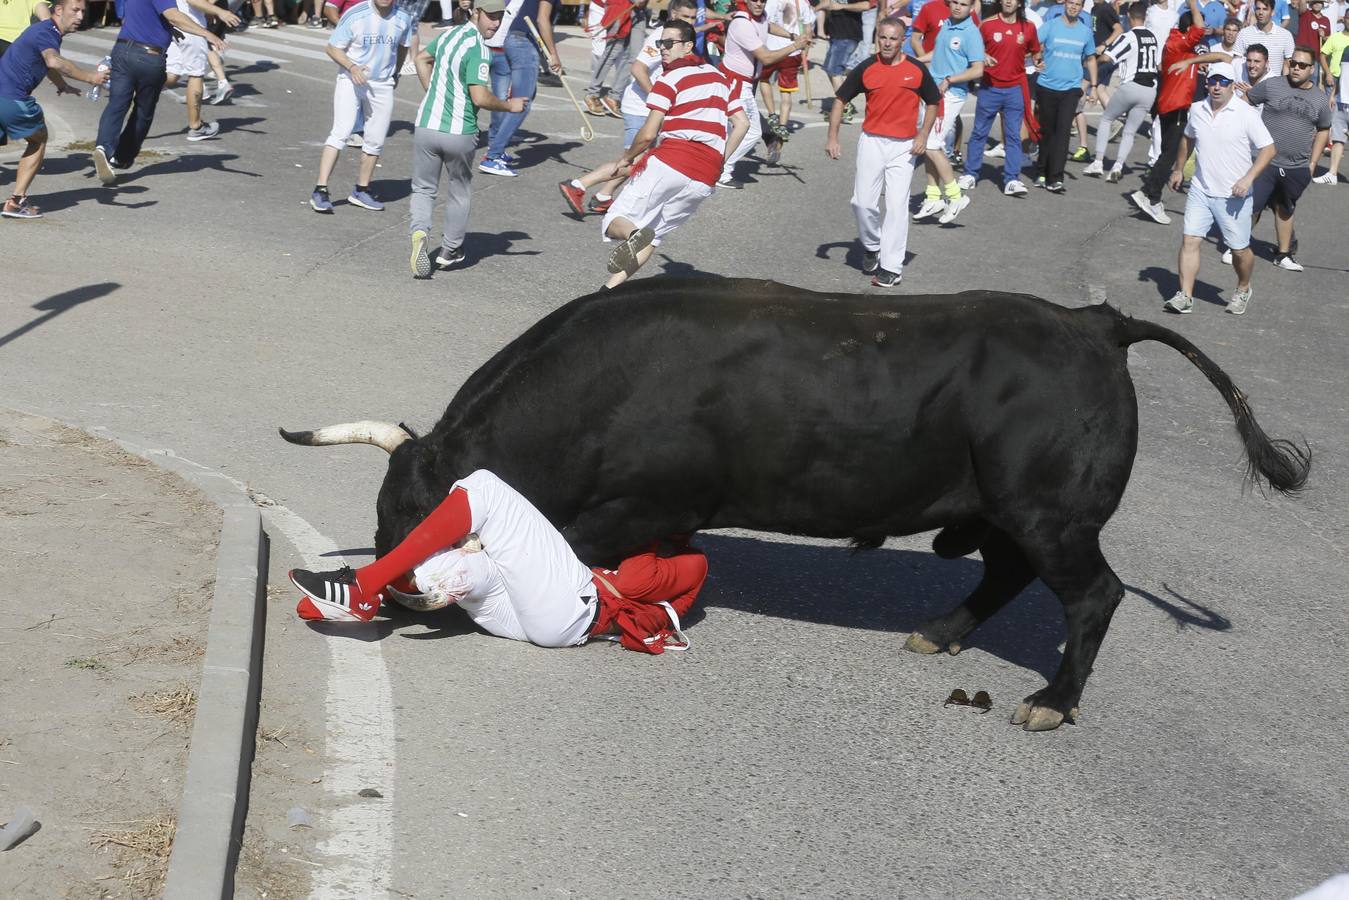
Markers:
<point>762,405</point>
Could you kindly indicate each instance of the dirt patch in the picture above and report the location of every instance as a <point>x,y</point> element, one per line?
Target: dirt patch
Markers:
<point>109,565</point>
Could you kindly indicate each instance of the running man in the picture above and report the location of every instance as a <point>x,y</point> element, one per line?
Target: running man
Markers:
<point>644,69</point>
<point>369,43</point>
<point>787,20</point>
<point>34,55</point>
<point>956,62</point>
<point>1298,119</point>
<point>1232,148</point>
<point>746,53</point>
<point>456,71</point>
<point>1137,56</point>
<point>187,58</point>
<point>890,144</point>
<point>1333,58</point>
<point>1009,41</point>
<point>515,73</point>
<point>696,121</point>
<point>488,549</point>
<point>137,78</point>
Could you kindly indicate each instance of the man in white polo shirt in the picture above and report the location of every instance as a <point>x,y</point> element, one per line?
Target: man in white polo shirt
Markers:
<point>1232,147</point>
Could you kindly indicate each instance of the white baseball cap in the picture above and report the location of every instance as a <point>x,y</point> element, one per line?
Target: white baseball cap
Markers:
<point>1222,68</point>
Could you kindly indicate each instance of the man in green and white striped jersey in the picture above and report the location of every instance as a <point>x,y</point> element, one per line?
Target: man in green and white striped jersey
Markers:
<point>454,70</point>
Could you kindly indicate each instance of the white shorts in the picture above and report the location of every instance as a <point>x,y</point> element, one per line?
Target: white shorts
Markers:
<point>374,100</point>
<point>952,104</point>
<point>660,198</point>
<point>187,57</point>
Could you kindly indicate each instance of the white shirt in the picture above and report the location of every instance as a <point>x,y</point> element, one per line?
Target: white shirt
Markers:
<point>526,584</point>
<point>634,98</point>
<point>792,16</point>
<point>1226,142</point>
<point>372,40</point>
<point>1278,41</point>
<point>1160,20</point>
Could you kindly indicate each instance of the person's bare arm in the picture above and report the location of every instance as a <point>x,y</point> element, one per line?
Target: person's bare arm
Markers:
<point>1242,186</point>
<point>483,98</point>
<point>1211,57</point>
<point>767,58</point>
<point>831,145</point>
<point>215,12</point>
<point>339,56</point>
<point>331,14</point>
<point>1319,145</point>
<point>1182,156</point>
<point>399,59</point>
<point>423,63</point>
<point>920,140</point>
<point>185,23</point>
<point>59,69</point>
<point>973,73</point>
<point>1091,78</point>
<point>545,26</point>
<point>42,10</point>
<point>641,142</point>
<point>641,74</point>
<point>739,127</point>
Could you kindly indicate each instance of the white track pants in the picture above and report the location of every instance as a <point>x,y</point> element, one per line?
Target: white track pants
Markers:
<point>374,100</point>
<point>752,136</point>
<point>884,166</point>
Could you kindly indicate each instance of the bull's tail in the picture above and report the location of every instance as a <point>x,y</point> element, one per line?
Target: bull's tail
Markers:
<point>1282,463</point>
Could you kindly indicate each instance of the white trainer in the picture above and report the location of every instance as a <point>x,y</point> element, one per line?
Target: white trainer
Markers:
<point>929,209</point>
<point>966,182</point>
<point>953,209</point>
<point>1327,178</point>
<point>1227,257</point>
<point>1095,167</point>
<point>998,152</point>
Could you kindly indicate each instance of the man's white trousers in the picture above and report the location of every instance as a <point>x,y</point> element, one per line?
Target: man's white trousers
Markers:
<point>884,166</point>
<point>751,137</point>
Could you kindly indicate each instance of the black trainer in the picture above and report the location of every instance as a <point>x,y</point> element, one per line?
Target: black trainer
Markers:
<point>885,278</point>
<point>871,261</point>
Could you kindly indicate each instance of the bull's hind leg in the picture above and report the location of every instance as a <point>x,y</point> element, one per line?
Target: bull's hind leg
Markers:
<point>1006,574</point>
<point>1074,569</point>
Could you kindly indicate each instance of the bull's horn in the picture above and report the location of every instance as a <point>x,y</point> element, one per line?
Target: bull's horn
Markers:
<point>384,435</point>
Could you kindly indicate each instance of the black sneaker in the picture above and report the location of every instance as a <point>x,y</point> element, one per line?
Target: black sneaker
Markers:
<point>871,261</point>
<point>885,278</point>
<point>1056,188</point>
<point>446,258</point>
<point>333,596</point>
<point>548,79</point>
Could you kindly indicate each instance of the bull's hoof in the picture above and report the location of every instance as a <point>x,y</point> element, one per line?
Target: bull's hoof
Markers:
<point>953,648</point>
<point>1040,718</point>
<point>919,644</point>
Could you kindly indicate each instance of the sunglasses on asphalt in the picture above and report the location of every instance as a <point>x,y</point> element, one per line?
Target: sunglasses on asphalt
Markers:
<point>1219,79</point>
<point>669,43</point>
<point>981,700</point>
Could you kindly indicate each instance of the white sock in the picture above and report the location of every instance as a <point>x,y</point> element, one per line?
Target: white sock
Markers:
<point>604,196</point>
<point>577,184</point>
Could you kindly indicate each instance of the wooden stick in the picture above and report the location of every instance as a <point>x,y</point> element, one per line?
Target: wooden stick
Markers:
<point>587,133</point>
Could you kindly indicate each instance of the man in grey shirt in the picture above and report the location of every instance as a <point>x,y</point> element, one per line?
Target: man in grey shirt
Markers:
<point>1298,118</point>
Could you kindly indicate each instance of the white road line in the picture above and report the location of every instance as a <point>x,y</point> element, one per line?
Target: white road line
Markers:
<point>104,45</point>
<point>358,851</point>
<point>314,38</point>
<point>235,40</point>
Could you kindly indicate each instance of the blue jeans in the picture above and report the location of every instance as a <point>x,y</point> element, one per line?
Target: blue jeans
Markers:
<point>864,46</point>
<point>515,73</point>
<point>990,102</point>
<point>137,79</point>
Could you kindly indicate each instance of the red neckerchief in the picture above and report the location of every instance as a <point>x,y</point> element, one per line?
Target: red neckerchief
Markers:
<point>692,59</point>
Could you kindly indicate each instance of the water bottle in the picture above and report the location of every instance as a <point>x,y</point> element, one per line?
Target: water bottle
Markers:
<point>97,90</point>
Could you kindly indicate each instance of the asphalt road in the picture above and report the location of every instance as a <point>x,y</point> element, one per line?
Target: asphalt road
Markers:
<point>797,751</point>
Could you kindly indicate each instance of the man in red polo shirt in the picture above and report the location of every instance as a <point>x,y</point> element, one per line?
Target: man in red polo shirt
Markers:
<point>897,86</point>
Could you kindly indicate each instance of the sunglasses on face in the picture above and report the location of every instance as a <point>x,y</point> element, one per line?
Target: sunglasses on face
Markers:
<point>1299,64</point>
<point>669,43</point>
<point>1220,80</point>
<point>981,700</point>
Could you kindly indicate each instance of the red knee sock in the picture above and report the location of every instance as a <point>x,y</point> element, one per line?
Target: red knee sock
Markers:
<point>446,526</point>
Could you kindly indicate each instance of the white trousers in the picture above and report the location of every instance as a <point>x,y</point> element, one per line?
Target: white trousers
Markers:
<point>660,198</point>
<point>884,166</point>
<point>374,100</point>
<point>751,137</point>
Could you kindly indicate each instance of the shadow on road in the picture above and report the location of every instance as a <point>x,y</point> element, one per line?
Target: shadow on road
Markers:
<point>852,253</point>
<point>56,304</point>
<point>1168,283</point>
<point>189,162</point>
<point>101,195</point>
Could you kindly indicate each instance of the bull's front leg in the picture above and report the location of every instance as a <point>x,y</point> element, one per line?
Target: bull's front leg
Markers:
<point>1006,574</point>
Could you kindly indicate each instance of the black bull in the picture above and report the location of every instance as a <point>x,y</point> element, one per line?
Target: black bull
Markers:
<point>669,406</point>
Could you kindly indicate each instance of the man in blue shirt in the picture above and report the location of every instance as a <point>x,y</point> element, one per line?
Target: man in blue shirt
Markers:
<point>1068,44</point>
<point>138,76</point>
<point>956,61</point>
<point>33,56</point>
<point>515,73</point>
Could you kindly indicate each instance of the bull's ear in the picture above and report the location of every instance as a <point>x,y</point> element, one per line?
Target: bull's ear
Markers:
<point>408,428</point>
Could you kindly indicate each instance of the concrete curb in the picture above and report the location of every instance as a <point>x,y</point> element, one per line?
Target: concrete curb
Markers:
<point>219,764</point>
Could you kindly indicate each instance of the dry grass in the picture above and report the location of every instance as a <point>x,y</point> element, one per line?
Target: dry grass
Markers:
<point>272,734</point>
<point>142,854</point>
<point>177,706</point>
<point>181,649</point>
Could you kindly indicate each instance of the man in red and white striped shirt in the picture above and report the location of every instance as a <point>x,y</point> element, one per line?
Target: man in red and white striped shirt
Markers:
<point>695,122</point>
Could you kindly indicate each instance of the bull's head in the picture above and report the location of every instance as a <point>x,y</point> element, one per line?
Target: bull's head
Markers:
<point>410,489</point>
